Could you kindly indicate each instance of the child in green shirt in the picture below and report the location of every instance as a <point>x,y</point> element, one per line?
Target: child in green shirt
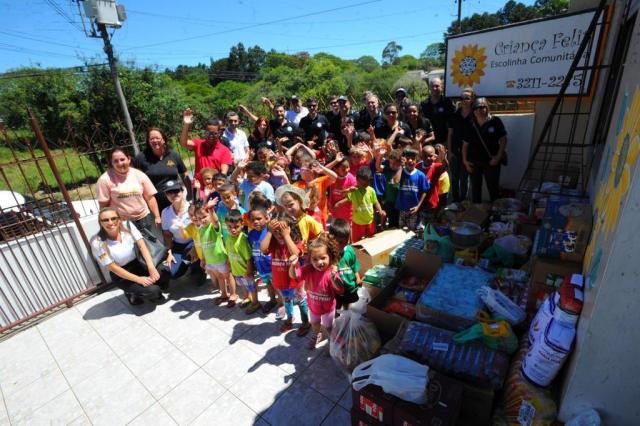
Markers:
<point>239,253</point>
<point>348,265</point>
<point>364,200</point>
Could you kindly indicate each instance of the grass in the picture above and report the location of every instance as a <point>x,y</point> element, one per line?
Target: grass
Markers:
<point>30,176</point>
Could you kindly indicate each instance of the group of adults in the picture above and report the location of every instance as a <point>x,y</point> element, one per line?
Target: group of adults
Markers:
<point>143,196</point>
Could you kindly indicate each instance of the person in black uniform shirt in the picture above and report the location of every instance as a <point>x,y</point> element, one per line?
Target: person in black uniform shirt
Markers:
<point>314,124</point>
<point>415,121</point>
<point>161,164</point>
<point>438,110</point>
<point>368,116</point>
<point>402,102</point>
<point>458,128</point>
<point>384,127</point>
<point>333,115</point>
<point>483,151</point>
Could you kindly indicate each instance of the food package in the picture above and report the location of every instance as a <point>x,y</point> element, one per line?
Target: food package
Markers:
<point>412,282</point>
<point>354,340</point>
<point>453,291</point>
<point>399,254</point>
<point>472,362</point>
<point>524,403</point>
<point>495,335</point>
<point>405,295</point>
<point>501,306</point>
<point>403,308</point>
<point>380,275</point>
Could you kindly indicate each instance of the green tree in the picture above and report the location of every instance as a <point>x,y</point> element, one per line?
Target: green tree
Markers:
<point>367,63</point>
<point>390,53</point>
<point>433,56</point>
<point>408,62</point>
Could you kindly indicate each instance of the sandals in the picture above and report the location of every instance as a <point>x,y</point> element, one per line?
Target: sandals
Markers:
<point>253,308</point>
<point>220,300</point>
<point>303,330</point>
<point>245,302</point>
<point>269,306</point>
<point>315,340</point>
<point>231,303</point>
<point>286,326</point>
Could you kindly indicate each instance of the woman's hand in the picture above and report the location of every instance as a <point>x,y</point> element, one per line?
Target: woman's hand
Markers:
<point>144,281</point>
<point>187,116</point>
<point>154,274</point>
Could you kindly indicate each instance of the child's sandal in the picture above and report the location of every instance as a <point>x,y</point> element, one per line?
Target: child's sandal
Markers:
<point>253,308</point>
<point>220,300</point>
<point>303,330</point>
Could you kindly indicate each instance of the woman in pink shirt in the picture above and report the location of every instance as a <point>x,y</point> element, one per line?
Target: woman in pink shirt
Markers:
<point>130,192</point>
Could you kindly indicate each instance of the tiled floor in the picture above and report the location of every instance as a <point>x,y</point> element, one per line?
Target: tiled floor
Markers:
<point>187,361</point>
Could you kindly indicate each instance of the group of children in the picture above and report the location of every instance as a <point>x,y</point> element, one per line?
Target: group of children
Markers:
<point>257,227</point>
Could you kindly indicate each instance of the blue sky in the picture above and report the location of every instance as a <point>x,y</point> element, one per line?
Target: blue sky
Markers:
<point>166,33</point>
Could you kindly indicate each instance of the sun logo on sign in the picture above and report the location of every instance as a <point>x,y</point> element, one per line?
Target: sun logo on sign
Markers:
<point>468,65</point>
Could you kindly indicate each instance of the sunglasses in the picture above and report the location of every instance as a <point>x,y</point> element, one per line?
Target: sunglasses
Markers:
<point>466,98</point>
<point>333,103</point>
<point>109,219</point>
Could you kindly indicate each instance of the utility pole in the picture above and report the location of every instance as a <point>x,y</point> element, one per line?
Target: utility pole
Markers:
<point>113,65</point>
<point>459,16</point>
<point>103,14</point>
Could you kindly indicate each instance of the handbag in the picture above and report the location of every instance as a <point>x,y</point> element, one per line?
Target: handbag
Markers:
<point>503,160</point>
<point>156,248</point>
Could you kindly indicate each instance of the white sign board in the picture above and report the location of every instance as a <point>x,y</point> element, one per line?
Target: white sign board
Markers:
<point>525,59</point>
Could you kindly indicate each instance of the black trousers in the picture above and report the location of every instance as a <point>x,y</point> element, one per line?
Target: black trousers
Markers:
<point>393,215</point>
<point>459,178</point>
<point>151,292</point>
<point>491,176</point>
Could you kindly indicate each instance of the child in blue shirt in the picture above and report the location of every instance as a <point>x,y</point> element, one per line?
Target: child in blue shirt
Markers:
<point>413,190</point>
<point>259,218</point>
<point>255,175</point>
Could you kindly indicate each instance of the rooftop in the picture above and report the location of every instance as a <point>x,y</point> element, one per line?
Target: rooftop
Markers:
<point>104,361</point>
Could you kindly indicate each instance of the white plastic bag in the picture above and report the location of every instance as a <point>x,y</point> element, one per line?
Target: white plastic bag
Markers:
<point>501,306</point>
<point>363,300</point>
<point>396,375</point>
<point>354,339</point>
<point>516,244</point>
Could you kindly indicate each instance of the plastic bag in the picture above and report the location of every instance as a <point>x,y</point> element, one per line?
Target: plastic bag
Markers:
<point>516,244</point>
<point>501,306</point>
<point>363,300</point>
<point>497,335</point>
<point>436,244</point>
<point>354,339</point>
<point>499,256</point>
<point>396,375</point>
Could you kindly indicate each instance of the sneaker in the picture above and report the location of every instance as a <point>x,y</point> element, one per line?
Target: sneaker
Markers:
<point>304,329</point>
<point>280,313</point>
<point>315,340</point>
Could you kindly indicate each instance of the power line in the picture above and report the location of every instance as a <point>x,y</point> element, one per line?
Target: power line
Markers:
<point>253,25</point>
<point>40,40</point>
<point>56,8</point>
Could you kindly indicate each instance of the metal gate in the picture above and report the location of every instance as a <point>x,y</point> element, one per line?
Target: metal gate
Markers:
<point>45,256</point>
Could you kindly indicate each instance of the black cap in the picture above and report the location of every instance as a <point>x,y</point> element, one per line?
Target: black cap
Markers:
<point>172,185</point>
<point>294,98</point>
<point>401,90</point>
<point>311,100</point>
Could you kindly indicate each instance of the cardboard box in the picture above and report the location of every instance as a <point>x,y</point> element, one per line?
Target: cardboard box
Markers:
<point>358,418</point>
<point>444,398</point>
<point>374,404</point>
<point>544,272</point>
<point>565,230</point>
<point>475,214</point>
<point>375,250</point>
<point>418,264</point>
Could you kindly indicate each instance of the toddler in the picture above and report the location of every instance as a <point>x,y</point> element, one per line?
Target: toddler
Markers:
<point>229,198</point>
<point>322,282</point>
<point>239,253</point>
<point>259,218</point>
<point>348,265</point>
<point>338,190</point>
<point>364,201</point>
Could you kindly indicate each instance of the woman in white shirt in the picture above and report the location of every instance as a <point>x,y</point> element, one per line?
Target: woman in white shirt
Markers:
<point>114,248</point>
<point>174,219</point>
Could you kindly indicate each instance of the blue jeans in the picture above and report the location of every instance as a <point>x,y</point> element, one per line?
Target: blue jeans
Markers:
<point>289,296</point>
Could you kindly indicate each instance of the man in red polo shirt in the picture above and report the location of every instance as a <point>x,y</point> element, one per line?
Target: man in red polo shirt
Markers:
<point>209,152</point>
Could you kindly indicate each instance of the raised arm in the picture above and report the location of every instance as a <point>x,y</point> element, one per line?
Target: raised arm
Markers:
<point>244,110</point>
<point>187,120</point>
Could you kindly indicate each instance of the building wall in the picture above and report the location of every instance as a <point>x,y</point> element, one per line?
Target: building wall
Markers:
<point>604,371</point>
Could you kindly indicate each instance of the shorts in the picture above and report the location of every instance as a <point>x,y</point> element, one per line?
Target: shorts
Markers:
<point>266,278</point>
<point>326,320</point>
<point>246,282</point>
<point>342,299</point>
<point>221,268</point>
<point>359,232</point>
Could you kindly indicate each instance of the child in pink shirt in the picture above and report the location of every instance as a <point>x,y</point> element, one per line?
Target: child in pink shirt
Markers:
<point>338,190</point>
<point>322,282</point>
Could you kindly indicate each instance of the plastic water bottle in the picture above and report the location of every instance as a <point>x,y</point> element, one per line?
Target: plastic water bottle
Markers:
<point>586,418</point>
